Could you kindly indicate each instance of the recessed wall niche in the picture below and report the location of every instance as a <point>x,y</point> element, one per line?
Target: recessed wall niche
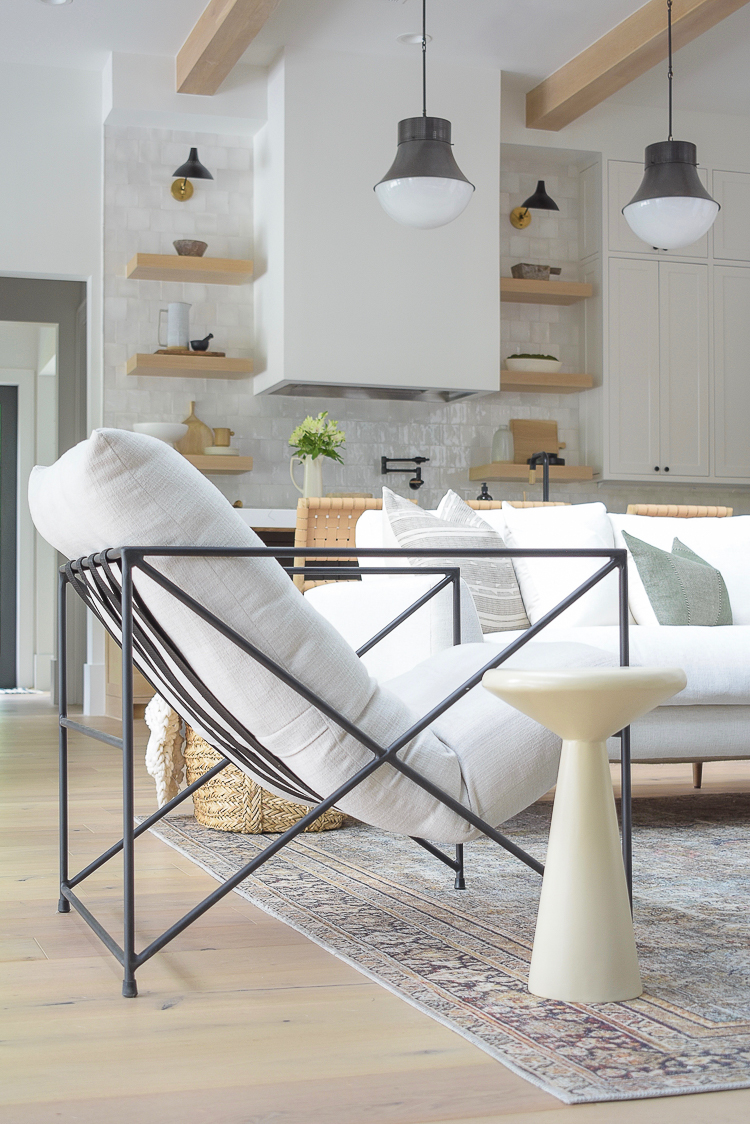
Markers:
<point>569,239</point>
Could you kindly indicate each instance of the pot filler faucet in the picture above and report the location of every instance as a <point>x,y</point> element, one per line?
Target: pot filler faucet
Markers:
<point>416,481</point>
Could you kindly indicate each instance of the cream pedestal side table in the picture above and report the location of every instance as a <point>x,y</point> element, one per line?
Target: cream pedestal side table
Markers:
<point>584,947</point>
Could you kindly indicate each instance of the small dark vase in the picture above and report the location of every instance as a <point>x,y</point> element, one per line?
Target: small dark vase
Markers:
<point>201,345</point>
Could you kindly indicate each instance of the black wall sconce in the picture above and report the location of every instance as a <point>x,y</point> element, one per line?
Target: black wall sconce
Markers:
<point>182,188</point>
<point>539,201</point>
<point>416,481</point>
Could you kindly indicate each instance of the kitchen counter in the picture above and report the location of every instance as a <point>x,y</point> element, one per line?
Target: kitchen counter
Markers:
<point>271,518</point>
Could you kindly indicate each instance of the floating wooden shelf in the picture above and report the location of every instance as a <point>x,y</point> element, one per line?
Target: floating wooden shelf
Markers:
<point>220,466</point>
<point>508,471</point>
<point>174,267</point>
<point>545,382</point>
<point>190,366</point>
<point>543,292</point>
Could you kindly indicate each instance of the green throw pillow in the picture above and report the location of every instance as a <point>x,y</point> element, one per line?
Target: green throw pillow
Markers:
<point>682,587</point>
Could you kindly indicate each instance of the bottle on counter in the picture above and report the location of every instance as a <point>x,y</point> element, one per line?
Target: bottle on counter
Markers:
<point>502,445</point>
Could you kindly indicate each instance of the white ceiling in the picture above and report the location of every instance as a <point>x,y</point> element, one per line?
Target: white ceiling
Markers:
<point>81,34</point>
<point>532,37</point>
<point>529,39</point>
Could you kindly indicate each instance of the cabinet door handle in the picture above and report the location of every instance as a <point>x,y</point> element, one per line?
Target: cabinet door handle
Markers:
<point>666,468</point>
<point>656,468</point>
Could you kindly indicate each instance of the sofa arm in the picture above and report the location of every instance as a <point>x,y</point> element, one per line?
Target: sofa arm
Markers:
<point>359,610</point>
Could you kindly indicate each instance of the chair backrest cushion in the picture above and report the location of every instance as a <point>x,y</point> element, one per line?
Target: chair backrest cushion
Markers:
<point>125,489</point>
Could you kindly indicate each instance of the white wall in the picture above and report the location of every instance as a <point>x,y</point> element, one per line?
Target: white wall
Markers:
<point>367,300</point>
<point>50,221</point>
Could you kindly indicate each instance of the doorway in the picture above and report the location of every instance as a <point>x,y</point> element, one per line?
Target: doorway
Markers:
<point>8,532</point>
<point>48,374</point>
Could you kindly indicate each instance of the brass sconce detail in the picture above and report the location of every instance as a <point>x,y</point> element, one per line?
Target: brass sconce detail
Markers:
<point>520,217</point>
<point>182,189</point>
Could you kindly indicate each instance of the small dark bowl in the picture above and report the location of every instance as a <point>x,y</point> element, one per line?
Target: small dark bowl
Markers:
<point>201,345</point>
<point>190,247</point>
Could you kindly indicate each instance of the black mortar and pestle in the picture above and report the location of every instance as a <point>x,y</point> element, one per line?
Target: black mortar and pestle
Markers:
<point>201,345</point>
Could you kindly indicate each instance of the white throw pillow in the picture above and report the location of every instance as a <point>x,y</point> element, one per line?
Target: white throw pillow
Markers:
<point>724,543</point>
<point>492,581</point>
<point>546,582</point>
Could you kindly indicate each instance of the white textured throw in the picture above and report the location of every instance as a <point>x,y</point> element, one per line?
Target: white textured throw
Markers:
<point>492,581</point>
<point>164,757</point>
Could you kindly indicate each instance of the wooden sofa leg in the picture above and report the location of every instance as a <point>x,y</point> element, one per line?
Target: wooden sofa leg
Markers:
<point>697,774</point>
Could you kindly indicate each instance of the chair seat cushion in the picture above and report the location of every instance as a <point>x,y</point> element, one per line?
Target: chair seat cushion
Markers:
<point>504,755</point>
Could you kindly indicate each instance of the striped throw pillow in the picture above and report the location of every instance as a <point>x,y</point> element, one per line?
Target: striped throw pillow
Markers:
<point>492,581</point>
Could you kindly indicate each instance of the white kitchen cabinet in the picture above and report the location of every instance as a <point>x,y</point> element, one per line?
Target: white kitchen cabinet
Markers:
<point>658,380</point>
<point>731,190</point>
<point>732,372</point>
<point>683,369</point>
<point>624,180</point>
<point>633,383</point>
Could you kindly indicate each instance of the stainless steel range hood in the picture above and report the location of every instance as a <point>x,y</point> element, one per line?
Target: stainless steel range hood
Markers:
<point>373,393</point>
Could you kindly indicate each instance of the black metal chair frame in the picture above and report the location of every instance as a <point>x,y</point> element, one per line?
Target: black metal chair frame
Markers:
<point>104,581</point>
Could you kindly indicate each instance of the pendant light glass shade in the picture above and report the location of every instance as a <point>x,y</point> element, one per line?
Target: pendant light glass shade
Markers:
<point>424,186</point>
<point>671,208</point>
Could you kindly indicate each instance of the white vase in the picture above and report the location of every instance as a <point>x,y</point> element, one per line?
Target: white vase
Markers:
<point>312,480</point>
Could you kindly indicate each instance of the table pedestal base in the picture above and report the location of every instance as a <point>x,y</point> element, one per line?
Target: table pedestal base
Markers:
<point>584,948</point>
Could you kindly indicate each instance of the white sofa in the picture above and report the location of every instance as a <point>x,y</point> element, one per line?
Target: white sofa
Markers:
<point>709,720</point>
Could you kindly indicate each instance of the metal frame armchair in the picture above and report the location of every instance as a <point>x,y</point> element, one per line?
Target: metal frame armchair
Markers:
<point>104,581</point>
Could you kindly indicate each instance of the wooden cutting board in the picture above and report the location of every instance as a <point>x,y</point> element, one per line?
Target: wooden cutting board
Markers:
<point>533,436</point>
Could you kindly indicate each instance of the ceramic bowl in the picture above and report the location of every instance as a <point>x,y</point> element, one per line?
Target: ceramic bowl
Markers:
<point>548,365</point>
<point>190,247</point>
<point>169,432</point>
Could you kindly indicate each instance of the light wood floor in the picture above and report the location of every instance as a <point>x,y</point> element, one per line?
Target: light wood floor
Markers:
<point>241,1020</point>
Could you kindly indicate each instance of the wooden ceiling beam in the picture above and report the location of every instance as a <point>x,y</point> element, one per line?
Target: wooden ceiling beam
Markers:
<point>217,42</point>
<point>622,55</point>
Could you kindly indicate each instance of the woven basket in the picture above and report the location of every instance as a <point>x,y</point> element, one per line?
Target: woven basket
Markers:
<point>232,801</point>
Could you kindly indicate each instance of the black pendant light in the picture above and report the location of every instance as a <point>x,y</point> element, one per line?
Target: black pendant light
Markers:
<point>192,169</point>
<point>424,186</point>
<point>671,209</point>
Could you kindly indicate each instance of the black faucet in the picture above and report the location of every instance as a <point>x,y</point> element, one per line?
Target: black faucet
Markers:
<point>543,459</point>
<point>416,481</point>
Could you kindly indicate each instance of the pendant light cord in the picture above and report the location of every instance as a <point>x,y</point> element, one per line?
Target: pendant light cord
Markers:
<point>670,71</point>
<point>424,57</point>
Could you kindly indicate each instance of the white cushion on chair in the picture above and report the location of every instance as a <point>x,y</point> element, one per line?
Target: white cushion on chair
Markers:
<point>120,488</point>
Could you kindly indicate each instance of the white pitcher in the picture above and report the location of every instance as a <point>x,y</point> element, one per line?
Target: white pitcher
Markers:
<point>312,480</point>
<point>178,324</point>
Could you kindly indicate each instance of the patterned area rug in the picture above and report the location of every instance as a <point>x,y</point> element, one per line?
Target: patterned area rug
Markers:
<point>385,906</point>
